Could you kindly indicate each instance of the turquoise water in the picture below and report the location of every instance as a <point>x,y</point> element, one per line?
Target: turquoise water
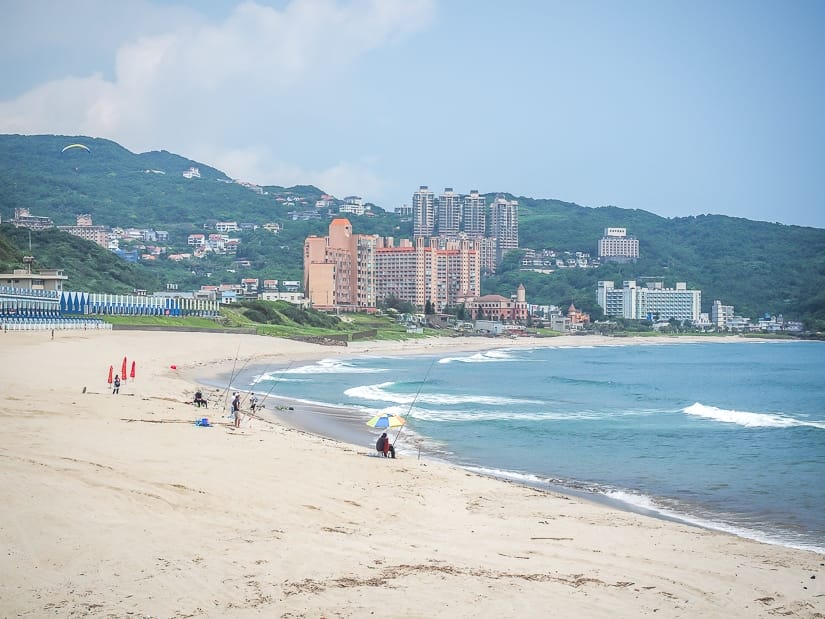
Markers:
<point>724,435</point>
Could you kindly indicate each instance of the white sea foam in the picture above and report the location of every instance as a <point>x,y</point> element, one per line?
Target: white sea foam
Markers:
<point>275,377</point>
<point>748,419</point>
<point>331,366</point>
<point>488,356</point>
<point>493,415</point>
<point>380,392</point>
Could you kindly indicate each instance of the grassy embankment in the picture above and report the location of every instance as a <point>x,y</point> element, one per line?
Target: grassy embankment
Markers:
<point>283,320</point>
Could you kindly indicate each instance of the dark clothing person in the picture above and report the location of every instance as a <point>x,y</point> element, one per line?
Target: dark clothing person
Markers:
<point>199,401</point>
<point>236,409</point>
<point>116,385</point>
<point>384,445</point>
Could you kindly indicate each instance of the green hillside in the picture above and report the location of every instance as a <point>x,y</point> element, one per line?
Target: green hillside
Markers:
<point>88,266</point>
<point>758,267</point>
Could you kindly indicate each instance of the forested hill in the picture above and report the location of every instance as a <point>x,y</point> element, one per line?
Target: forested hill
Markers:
<point>121,188</point>
<point>758,267</point>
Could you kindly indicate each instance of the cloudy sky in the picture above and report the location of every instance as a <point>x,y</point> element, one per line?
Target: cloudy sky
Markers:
<point>678,108</point>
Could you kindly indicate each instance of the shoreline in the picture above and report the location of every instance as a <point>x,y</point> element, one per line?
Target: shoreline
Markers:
<point>345,423</point>
<point>120,504</point>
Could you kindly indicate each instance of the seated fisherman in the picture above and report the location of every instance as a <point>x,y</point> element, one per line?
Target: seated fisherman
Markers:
<point>384,445</point>
<point>199,400</point>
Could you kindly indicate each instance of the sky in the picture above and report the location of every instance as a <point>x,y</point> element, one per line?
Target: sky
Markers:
<point>677,108</point>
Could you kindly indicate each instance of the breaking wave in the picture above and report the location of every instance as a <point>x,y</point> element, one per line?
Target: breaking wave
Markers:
<point>488,356</point>
<point>380,392</point>
<point>331,366</point>
<point>748,419</point>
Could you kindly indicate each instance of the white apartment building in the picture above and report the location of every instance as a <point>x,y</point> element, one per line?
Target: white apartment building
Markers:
<point>616,246</point>
<point>449,212</point>
<point>354,209</point>
<point>474,214</point>
<point>504,225</point>
<point>423,206</point>
<point>226,226</point>
<point>651,302</point>
<point>721,315</point>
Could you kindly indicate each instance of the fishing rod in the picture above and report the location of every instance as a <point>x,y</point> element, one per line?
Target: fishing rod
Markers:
<point>417,393</point>
<point>274,383</point>
<point>231,377</point>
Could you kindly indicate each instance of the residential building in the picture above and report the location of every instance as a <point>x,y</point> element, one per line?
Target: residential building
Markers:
<point>487,247</point>
<point>339,268</point>
<point>438,271</point>
<point>504,225</point>
<point>474,214</point>
<point>192,172</point>
<point>721,315</point>
<point>26,279</point>
<point>348,271</point>
<point>250,285</point>
<point>296,298</point>
<point>423,206</point>
<point>24,219</point>
<point>616,246</point>
<point>356,207</point>
<point>651,302</point>
<point>226,226</point>
<point>85,230</point>
<point>449,213</point>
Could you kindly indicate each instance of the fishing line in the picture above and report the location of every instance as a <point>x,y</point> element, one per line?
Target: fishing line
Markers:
<point>274,383</point>
<point>417,393</point>
<point>231,377</point>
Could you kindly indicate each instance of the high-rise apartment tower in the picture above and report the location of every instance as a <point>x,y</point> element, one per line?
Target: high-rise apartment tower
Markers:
<point>423,205</point>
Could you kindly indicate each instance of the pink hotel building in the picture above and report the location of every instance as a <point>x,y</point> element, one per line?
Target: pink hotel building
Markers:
<point>355,272</point>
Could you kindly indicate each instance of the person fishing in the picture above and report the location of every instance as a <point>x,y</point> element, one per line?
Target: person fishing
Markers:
<point>236,409</point>
<point>384,445</point>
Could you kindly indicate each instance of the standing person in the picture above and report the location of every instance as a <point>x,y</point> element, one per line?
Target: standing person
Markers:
<point>116,384</point>
<point>253,402</point>
<point>236,409</point>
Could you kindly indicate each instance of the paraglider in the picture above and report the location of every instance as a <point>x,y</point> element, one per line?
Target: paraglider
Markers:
<point>71,146</point>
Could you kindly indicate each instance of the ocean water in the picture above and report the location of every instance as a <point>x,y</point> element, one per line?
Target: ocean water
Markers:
<point>729,436</point>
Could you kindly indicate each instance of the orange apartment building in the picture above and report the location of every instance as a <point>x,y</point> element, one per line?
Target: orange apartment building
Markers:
<point>350,272</point>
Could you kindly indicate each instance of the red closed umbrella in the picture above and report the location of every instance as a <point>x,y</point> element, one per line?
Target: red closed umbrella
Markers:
<point>132,373</point>
<point>111,369</point>
<point>123,371</point>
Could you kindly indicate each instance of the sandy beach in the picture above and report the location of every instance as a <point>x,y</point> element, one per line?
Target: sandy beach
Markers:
<point>119,505</point>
